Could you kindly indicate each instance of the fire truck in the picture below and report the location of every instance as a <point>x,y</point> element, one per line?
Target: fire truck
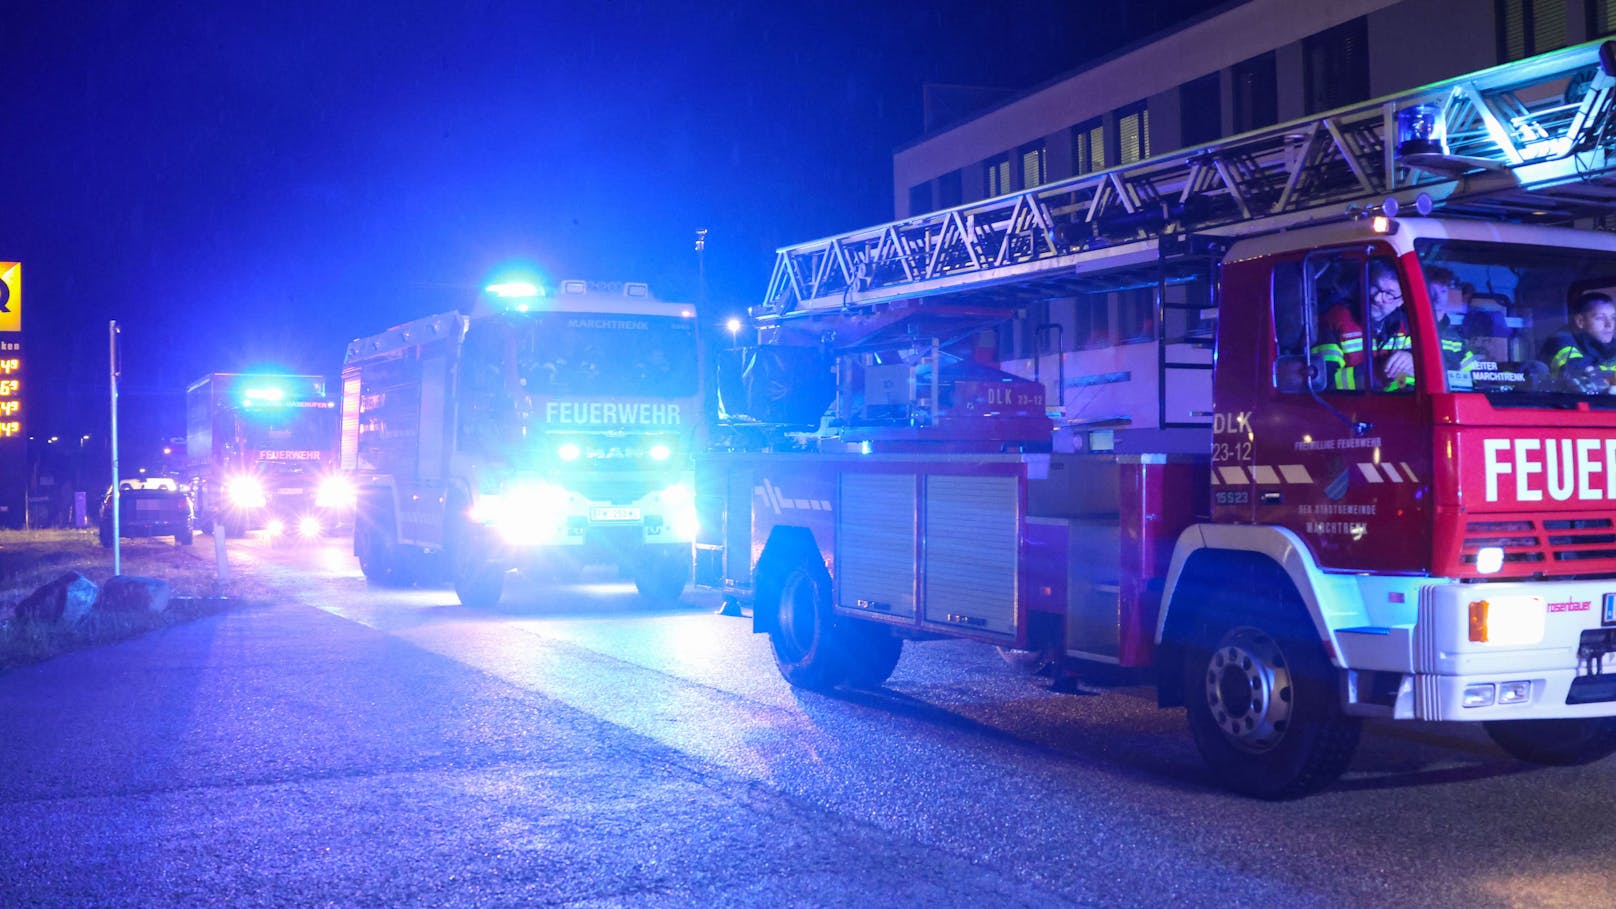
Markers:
<point>262,453</point>
<point>546,430</point>
<point>1211,420</point>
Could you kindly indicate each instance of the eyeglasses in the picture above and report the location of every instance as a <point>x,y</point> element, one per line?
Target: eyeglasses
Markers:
<point>1391,296</point>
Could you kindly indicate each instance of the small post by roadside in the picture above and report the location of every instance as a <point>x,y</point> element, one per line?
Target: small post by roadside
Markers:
<point>223,564</point>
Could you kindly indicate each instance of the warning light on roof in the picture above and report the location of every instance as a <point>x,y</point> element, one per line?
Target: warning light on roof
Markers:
<point>515,289</point>
<point>268,395</point>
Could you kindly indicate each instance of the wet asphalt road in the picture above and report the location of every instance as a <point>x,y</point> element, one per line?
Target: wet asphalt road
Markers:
<point>578,747</point>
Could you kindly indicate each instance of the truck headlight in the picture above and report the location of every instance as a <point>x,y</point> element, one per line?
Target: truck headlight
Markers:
<point>245,492</point>
<point>1508,620</point>
<point>336,493</point>
<point>679,508</point>
<point>527,513</point>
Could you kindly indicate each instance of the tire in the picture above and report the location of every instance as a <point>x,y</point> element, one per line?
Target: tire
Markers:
<point>1555,743</point>
<point>1263,708</point>
<point>373,544</point>
<point>104,532</point>
<point>873,652</point>
<point>807,649</point>
<point>478,583</point>
<point>663,573</point>
<point>184,538</point>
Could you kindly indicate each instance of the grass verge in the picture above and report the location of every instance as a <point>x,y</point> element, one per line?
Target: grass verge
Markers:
<point>29,559</point>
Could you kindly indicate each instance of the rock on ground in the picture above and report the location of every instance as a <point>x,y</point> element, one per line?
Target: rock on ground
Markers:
<point>132,593</point>
<point>68,599</point>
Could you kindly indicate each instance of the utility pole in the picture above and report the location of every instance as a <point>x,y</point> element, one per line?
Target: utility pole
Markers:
<point>701,269</point>
<point>117,496</point>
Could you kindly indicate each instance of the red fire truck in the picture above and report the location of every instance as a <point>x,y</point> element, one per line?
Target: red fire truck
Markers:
<point>549,429</point>
<point>261,451</point>
<point>1216,418</point>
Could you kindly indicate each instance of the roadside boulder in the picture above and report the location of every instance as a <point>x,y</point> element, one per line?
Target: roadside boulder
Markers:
<point>132,593</point>
<point>68,599</point>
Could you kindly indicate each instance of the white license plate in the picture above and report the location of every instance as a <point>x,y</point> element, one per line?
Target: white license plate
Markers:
<point>289,492</point>
<point>142,505</point>
<point>614,514</point>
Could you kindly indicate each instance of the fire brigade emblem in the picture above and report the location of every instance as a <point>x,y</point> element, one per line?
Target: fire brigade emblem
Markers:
<point>1337,487</point>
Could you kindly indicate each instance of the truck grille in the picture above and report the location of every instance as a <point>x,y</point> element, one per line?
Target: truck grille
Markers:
<point>1556,546</point>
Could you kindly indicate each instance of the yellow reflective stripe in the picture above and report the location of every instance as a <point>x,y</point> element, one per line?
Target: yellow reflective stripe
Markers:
<point>1329,353</point>
<point>1563,356</point>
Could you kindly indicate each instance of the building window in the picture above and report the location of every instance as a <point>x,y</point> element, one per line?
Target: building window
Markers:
<point>1136,315</point>
<point>1133,134</point>
<point>1256,93</point>
<point>1335,66</point>
<point>1530,27</point>
<point>1601,18</point>
<point>1200,110</point>
<point>920,198</point>
<point>1088,146</point>
<point>996,176</point>
<point>1033,170</point>
<point>950,191</point>
<point>1091,321</point>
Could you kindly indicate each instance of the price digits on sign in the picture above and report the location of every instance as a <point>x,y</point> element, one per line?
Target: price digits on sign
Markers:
<point>10,403</point>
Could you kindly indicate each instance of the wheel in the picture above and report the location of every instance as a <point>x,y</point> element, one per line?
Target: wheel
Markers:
<point>807,650</point>
<point>873,652</point>
<point>373,544</point>
<point>1263,708</point>
<point>663,573</point>
<point>104,532</point>
<point>1557,743</point>
<point>184,537</point>
<point>477,582</point>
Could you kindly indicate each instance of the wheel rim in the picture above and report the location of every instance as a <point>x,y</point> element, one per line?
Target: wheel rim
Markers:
<point>1249,689</point>
<point>799,613</point>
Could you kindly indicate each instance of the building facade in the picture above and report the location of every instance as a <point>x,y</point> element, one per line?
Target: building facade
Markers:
<point>1244,66</point>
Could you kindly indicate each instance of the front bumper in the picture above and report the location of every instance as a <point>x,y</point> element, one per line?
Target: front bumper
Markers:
<point>1556,657</point>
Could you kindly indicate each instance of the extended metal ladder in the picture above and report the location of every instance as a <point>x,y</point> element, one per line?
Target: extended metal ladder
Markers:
<point>1530,140</point>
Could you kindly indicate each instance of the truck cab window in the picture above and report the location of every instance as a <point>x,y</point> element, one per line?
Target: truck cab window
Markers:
<point>1363,341</point>
<point>1294,369</point>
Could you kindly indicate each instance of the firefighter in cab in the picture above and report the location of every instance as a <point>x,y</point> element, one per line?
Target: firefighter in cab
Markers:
<point>1390,358</point>
<point>1581,355</point>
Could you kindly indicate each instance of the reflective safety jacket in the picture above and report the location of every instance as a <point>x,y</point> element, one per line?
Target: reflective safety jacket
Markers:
<point>1456,354</point>
<point>1568,344</point>
<point>1340,348</point>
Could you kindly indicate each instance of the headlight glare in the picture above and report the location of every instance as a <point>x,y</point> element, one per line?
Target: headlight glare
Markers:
<point>245,492</point>
<point>336,492</point>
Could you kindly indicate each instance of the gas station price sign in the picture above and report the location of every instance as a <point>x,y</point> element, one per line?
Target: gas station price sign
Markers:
<point>10,394</point>
<point>13,402</point>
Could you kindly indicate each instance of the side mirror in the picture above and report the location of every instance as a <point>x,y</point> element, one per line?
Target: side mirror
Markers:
<point>1295,375</point>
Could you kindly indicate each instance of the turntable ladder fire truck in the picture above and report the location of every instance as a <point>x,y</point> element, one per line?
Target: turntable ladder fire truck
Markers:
<point>1201,417</point>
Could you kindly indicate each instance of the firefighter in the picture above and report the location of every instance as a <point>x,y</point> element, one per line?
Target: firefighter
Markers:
<point>1390,348</point>
<point>1450,310</point>
<point>1582,353</point>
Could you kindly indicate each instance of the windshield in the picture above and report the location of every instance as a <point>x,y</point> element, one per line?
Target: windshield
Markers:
<point>587,355</point>
<point>1518,320</point>
<point>289,428</point>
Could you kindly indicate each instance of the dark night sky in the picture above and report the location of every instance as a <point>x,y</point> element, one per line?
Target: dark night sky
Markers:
<point>258,182</point>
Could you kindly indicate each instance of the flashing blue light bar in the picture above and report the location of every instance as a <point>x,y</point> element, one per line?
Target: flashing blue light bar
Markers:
<point>515,289</point>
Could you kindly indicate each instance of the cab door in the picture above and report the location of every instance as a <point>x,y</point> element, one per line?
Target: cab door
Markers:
<point>1341,450</point>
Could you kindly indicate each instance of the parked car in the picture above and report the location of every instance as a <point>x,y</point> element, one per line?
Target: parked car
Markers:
<point>150,507</point>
